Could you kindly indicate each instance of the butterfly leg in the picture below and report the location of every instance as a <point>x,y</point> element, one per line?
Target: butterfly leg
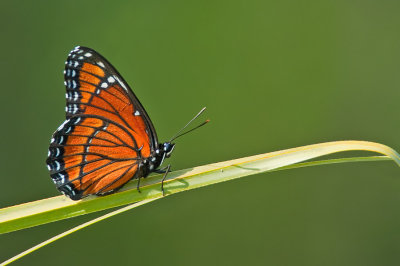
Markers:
<point>138,185</point>
<point>164,170</point>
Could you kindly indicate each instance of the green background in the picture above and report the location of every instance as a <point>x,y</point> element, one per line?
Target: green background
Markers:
<point>273,74</point>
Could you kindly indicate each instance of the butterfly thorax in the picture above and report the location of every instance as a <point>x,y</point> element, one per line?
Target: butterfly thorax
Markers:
<point>153,162</point>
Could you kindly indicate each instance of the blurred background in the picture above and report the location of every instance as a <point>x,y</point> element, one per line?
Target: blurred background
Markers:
<point>273,74</point>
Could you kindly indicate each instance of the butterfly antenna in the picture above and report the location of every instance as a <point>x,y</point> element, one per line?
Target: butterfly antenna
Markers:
<point>179,134</point>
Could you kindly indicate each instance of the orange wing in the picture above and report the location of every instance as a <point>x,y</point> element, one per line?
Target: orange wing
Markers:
<point>107,132</point>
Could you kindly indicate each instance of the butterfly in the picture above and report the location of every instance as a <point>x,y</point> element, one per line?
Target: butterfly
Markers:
<point>107,138</point>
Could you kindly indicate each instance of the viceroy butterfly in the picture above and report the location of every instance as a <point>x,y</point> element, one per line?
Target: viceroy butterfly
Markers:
<point>107,138</point>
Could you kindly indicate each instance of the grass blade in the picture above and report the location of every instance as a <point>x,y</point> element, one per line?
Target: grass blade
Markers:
<point>58,208</point>
<point>196,177</point>
<point>77,228</point>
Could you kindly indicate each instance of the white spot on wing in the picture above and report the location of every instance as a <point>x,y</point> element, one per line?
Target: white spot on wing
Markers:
<point>69,188</point>
<point>73,108</point>
<point>121,83</point>
<point>104,85</point>
<point>111,79</point>
<point>57,165</point>
<point>88,54</point>
<point>62,125</point>
<point>101,64</point>
<point>137,113</point>
<point>62,177</point>
<point>58,178</point>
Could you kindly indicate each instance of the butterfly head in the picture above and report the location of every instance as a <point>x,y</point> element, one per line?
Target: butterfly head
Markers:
<point>168,147</point>
<point>164,151</point>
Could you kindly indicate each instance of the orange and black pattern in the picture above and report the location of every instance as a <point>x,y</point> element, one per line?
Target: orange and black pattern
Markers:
<point>107,138</point>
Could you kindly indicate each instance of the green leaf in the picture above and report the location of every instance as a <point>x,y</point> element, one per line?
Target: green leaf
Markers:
<point>57,208</point>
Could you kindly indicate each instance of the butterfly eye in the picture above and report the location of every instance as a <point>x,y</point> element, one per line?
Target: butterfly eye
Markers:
<point>168,148</point>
